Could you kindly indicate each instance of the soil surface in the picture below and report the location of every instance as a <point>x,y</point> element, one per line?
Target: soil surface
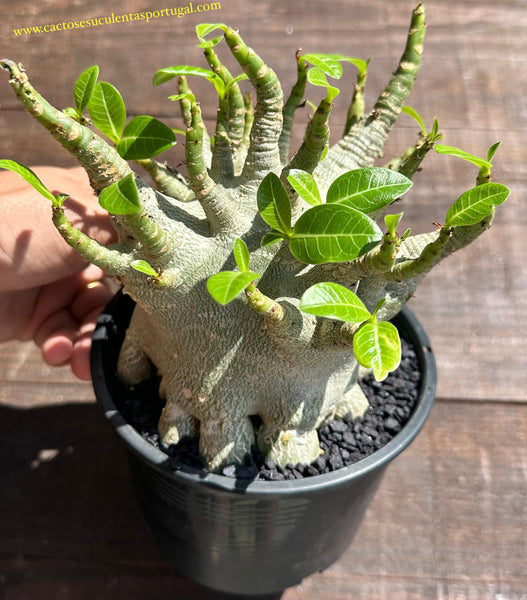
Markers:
<point>344,441</point>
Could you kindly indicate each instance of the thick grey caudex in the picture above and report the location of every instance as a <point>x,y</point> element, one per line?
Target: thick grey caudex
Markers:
<point>264,283</point>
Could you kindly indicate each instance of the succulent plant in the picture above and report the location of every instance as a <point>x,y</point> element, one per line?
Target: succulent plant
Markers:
<point>264,284</point>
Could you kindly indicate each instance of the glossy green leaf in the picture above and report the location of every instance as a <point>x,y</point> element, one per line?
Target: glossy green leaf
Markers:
<point>186,96</point>
<point>316,76</point>
<point>452,151</point>
<point>334,301</point>
<point>209,43</point>
<point>475,204</point>
<point>434,134</point>
<point>145,137</point>
<point>392,222</point>
<point>361,64</point>
<point>204,29</point>
<point>168,73</point>
<point>273,237</point>
<point>305,186</point>
<point>492,151</point>
<point>327,63</point>
<point>226,285</point>
<point>235,80</point>
<point>30,177</point>
<point>121,197</point>
<point>73,113</point>
<point>107,110</point>
<point>241,255</point>
<point>273,203</point>
<point>411,112</point>
<point>368,189</point>
<point>84,87</point>
<point>143,267</point>
<point>333,233</point>
<point>378,346</point>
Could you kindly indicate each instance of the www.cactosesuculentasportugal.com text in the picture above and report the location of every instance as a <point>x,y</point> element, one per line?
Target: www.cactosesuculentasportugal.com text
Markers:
<point>146,16</point>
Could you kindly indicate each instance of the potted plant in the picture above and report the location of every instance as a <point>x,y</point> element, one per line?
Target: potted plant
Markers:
<point>264,288</point>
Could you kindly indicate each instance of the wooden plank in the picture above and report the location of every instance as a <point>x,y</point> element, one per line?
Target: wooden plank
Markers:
<point>449,515</point>
<point>471,80</point>
<point>22,362</point>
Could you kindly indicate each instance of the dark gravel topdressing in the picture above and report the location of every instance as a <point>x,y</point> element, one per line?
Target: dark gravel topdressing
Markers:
<point>344,441</point>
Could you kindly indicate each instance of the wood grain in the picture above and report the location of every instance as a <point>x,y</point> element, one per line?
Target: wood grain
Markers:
<point>449,517</point>
<point>449,520</point>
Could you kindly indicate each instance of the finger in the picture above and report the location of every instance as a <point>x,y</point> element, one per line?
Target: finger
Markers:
<point>54,297</point>
<point>32,252</point>
<point>95,295</point>
<point>80,358</point>
<point>56,337</point>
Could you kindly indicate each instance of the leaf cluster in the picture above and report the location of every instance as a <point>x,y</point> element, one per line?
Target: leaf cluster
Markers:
<point>142,138</point>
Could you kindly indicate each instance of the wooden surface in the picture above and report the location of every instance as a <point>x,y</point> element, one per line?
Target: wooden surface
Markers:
<point>450,519</point>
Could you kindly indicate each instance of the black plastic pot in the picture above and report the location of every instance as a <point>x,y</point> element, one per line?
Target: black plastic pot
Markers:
<point>253,537</point>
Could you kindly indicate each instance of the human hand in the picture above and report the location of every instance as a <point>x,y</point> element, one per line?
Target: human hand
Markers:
<point>47,293</point>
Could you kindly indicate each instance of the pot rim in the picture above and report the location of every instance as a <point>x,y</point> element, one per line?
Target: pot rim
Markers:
<point>407,322</point>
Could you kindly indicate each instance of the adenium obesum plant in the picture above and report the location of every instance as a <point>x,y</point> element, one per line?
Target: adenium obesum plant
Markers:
<point>263,283</point>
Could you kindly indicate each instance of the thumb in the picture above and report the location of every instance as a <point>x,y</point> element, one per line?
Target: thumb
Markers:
<point>32,252</point>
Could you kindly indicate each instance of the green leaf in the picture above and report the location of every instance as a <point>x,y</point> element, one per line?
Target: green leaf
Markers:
<point>121,197</point>
<point>73,113</point>
<point>204,29</point>
<point>305,186</point>
<point>187,96</point>
<point>316,76</point>
<point>272,237</point>
<point>452,151</point>
<point>107,110</point>
<point>235,80</point>
<point>334,301</point>
<point>143,267</point>
<point>362,65</point>
<point>378,346</point>
<point>434,134</point>
<point>30,177</point>
<point>168,73</point>
<point>416,117</point>
<point>333,233</point>
<point>225,286</point>
<point>368,189</point>
<point>475,204</point>
<point>273,204</point>
<point>145,137</point>
<point>327,63</point>
<point>209,43</point>
<point>241,255</point>
<point>392,222</point>
<point>84,86</point>
<point>492,151</point>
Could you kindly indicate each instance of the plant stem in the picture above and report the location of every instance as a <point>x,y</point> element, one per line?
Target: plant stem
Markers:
<point>295,100</point>
<point>263,155</point>
<point>112,262</point>
<point>167,180</point>
<point>264,305</point>
<point>364,141</point>
<point>100,160</point>
<point>207,192</point>
<point>356,109</point>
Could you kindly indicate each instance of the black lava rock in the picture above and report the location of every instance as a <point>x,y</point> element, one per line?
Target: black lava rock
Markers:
<point>343,441</point>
